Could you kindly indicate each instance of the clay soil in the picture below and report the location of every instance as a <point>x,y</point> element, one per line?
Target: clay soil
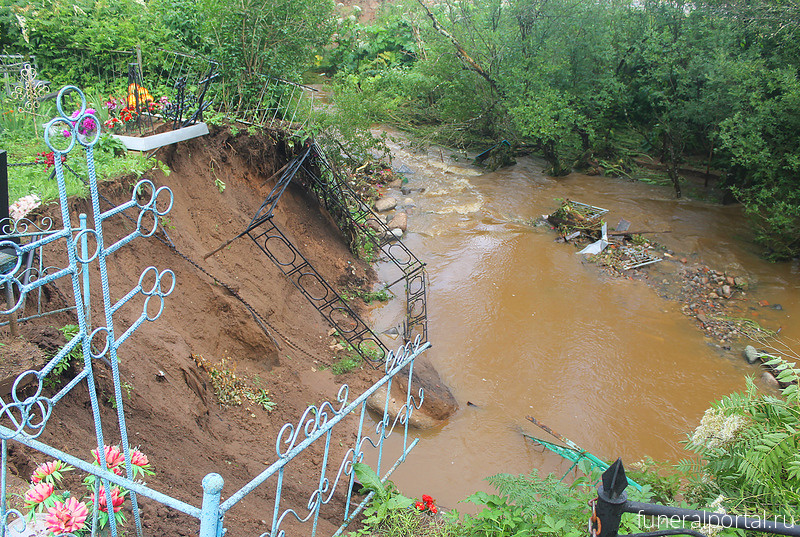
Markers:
<point>171,408</point>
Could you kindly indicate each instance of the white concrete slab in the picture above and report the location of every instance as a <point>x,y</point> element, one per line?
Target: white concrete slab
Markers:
<point>148,143</point>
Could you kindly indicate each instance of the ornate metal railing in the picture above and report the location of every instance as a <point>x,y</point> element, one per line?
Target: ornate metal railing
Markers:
<point>34,266</point>
<point>315,427</point>
<point>27,410</point>
<point>278,104</point>
<point>25,413</point>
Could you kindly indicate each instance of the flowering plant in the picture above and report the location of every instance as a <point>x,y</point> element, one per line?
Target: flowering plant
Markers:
<point>48,159</point>
<point>86,127</point>
<point>427,504</point>
<point>122,111</point>
<point>20,208</point>
<point>66,513</point>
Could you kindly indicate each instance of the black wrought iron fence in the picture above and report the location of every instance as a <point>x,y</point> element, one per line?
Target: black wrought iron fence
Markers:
<point>612,502</point>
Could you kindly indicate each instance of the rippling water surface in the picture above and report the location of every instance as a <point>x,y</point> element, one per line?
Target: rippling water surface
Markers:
<point>520,325</point>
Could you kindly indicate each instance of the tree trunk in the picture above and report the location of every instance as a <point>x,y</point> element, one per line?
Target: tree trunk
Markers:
<point>471,64</point>
<point>551,156</point>
<point>672,167</point>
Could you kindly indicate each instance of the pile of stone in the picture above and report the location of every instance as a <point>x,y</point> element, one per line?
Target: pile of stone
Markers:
<point>770,376</point>
<point>393,214</point>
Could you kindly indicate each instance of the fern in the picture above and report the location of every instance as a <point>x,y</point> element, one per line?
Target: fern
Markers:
<point>758,465</point>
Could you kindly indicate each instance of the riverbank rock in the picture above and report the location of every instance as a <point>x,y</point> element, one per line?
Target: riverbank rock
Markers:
<point>400,221</point>
<point>439,402</point>
<point>374,225</point>
<point>385,204</point>
<point>397,398</point>
<point>751,354</point>
<point>770,380</point>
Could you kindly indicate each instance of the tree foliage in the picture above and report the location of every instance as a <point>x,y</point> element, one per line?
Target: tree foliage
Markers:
<point>712,83</point>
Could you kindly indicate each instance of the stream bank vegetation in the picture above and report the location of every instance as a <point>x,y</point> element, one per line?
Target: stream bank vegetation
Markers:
<point>744,461</point>
<point>701,96</point>
<point>704,97</point>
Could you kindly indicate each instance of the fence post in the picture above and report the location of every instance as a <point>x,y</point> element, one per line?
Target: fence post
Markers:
<point>5,221</point>
<point>85,254</point>
<point>5,218</point>
<point>210,523</point>
<point>611,499</point>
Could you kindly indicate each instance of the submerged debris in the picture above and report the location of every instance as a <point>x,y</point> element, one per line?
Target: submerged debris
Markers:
<point>578,223</point>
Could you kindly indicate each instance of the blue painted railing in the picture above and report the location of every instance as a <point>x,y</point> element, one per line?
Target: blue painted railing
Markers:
<point>25,413</point>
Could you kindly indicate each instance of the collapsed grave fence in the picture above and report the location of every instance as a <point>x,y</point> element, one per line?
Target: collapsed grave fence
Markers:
<point>313,171</point>
<point>31,405</point>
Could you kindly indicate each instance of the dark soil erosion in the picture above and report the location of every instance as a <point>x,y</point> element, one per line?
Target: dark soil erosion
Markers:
<point>171,408</point>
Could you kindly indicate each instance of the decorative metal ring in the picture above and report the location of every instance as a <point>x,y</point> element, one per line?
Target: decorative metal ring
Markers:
<point>155,200</point>
<point>60,101</point>
<point>156,289</point>
<point>79,236</point>
<point>105,347</point>
<point>140,223</point>
<point>82,138</point>
<point>52,127</point>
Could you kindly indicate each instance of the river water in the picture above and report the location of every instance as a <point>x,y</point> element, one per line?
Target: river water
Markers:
<point>521,325</point>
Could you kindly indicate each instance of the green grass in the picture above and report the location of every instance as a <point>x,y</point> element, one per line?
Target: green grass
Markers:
<point>23,146</point>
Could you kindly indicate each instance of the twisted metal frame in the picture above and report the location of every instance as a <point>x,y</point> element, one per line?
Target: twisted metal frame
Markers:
<point>24,416</point>
<point>351,213</point>
<point>285,255</point>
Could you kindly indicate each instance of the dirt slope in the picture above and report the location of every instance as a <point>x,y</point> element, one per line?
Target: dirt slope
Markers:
<point>171,410</point>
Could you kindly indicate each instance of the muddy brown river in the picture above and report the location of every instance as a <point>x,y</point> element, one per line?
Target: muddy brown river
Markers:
<point>522,325</point>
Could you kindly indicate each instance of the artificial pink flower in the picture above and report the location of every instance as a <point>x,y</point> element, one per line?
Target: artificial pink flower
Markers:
<point>38,494</point>
<point>66,517</point>
<point>139,459</point>
<point>114,458</point>
<point>117,499</point>
<point>49,471</point>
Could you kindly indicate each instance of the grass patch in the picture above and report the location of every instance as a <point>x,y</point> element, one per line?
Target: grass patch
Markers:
<point>25,143</point>
<point>368,297</point>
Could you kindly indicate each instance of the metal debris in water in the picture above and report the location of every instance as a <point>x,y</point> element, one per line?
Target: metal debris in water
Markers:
<point>589,212</point>
<point>635,257</point>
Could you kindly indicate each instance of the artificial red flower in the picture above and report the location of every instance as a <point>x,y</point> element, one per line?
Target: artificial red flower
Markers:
<point>49,471</point>
<point>38,494</point>
<point>420,506</point>
<point>114,458</point>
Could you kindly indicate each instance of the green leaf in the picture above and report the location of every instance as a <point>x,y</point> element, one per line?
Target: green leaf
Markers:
<point>370,480</point>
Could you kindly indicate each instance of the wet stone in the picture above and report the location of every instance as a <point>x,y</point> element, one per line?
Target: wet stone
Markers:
<point>385,204</point>
<point>770,380</point>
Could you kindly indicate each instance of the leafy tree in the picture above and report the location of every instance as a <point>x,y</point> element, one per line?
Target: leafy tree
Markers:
<point>74,41</point>
<point>276,38</point>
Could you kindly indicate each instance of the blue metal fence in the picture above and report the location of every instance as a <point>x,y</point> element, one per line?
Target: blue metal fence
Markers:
<point>25,413</point>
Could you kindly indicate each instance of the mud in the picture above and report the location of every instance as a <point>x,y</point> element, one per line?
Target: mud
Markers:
<point>171,409</point>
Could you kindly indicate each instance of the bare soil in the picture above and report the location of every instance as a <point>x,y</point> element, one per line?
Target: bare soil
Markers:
<point>171,408</point>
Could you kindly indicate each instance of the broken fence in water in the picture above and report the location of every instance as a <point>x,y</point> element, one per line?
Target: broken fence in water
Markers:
<point>26,410</point>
